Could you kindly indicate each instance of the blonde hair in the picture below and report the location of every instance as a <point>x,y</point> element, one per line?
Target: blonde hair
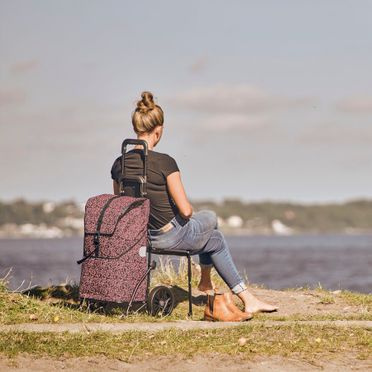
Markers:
<point>147,115</point>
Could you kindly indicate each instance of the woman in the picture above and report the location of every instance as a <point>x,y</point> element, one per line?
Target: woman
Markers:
<point>173,224</point>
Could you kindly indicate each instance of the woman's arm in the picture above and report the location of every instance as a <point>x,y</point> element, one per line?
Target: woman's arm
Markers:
<point>178,194</point>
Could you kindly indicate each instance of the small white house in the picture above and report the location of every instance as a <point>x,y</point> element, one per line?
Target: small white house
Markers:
<point>40,231</point>
<point>280,229</point>
<point>49,207</point>
<point>75,223</point>
<point>234,222</point>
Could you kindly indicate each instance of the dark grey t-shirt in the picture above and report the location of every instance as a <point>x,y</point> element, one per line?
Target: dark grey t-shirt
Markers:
<point>159,166</point>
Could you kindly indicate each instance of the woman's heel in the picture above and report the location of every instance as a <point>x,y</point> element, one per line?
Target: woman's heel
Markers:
<point>208,311</point>
<point>209,318</point>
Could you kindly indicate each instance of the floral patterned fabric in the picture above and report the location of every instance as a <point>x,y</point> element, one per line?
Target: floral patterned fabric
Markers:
<point>119,261</point>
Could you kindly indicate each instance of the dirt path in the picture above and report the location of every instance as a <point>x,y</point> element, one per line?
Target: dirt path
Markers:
<point>309,303</point>
<point>161,326</point>
<point>213,362</point>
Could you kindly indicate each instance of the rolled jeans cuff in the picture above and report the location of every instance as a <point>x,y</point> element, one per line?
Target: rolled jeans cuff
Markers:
<point>207,266</point>
<point>240,287</point>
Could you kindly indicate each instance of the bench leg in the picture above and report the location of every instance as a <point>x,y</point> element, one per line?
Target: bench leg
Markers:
<point>149,273</point>
<point>189,283</point>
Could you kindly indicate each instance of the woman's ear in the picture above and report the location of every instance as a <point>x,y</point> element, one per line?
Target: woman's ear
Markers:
<point>158,132</point>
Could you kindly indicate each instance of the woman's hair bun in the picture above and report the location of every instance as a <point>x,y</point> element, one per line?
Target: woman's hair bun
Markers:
<point>146,104</point>
<point>147,114</point>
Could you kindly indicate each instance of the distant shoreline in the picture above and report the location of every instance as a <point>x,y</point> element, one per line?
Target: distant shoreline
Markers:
<point>21,218</point>
<point>226,233</point>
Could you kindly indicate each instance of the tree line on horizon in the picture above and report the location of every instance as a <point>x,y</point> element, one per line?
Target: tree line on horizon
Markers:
<point>330,217</point>
<point>21,211</point>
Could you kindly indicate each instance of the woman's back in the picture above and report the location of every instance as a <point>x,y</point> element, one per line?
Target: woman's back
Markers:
<point>162,207</point>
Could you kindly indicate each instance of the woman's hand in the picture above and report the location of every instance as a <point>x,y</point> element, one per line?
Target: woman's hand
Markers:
<point>178,194</point>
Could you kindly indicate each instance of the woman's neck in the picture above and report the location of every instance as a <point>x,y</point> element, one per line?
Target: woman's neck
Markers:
<point>148,138</point>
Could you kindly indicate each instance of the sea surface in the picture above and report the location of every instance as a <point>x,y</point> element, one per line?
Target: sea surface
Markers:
<point>278,262</point>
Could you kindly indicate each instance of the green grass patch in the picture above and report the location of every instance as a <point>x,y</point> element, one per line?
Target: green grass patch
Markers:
<point>327,300</point>
<point>60,304</point>
<point>248,340</point>
<point>349,297</point>
<point>357,299</point>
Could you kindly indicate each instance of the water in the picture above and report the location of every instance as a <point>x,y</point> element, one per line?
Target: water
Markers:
<point>334,261</point>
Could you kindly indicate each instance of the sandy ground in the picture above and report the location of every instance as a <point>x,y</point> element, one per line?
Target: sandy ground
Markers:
<point>300,302</point>
<point>307,303</point>
<point>198,363</point>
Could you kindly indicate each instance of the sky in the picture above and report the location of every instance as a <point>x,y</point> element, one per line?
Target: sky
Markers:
<point>263,100</point>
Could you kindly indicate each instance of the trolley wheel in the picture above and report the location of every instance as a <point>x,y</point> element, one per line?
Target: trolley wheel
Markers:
<point>161,301</point>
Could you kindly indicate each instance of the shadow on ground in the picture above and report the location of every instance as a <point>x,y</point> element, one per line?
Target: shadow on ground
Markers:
<point>68,296</point>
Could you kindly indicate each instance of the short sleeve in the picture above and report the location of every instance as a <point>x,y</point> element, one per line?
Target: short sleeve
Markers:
<point>116,169</point>
<point>169,166</point>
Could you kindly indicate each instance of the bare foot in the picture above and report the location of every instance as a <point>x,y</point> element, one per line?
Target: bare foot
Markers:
<point>260,307</point>
<point>253,305</point>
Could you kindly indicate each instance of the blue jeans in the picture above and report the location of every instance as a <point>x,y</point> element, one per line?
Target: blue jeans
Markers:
<point>199,235</point>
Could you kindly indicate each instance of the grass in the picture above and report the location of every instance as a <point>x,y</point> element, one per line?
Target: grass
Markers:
<point>357,299</point>
<point>307,342</point>
<point>350,298</point>
<point>60,303</point>
<point>327,299</point>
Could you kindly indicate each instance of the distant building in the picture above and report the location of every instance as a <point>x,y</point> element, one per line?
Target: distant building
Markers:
<point>40,231</point>
<point>279,228</point>
<point>49,207</point>
<point>234,222</point>
<point>75,223</point>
